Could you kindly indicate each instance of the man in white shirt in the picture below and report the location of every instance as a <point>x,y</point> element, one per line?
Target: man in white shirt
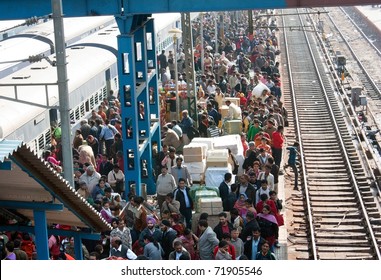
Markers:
<point>121,251</point>
<point>235,112</point>
<point>165,184</point>
<point>116,179</point>
<point>91,177</point>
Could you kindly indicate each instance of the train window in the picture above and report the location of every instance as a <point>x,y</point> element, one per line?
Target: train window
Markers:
<point>150,64</point>
<point>20,77</point>
<point>149,41</point>
<point>38,67</point>
<point>103,94</point>
<point>41,142</point>
<point>83,111</point>
<point>92,104</point>
<point>116,82</point>
<point>77,113</point>
<point>48,136</point>
<point>96,99</point>
<point>126,64</point>
<point>72,118</point>
<point>87,105</point>
<point>33,145</point>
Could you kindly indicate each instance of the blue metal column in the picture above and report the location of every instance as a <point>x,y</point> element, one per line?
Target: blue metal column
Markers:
<point>41,233</point>
<point>78,247</point>
<point>143,98</point>
<point>129,108</point>
<point>154,106</point>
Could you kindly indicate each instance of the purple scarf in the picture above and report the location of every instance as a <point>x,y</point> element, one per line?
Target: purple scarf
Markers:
<point>268,217</point>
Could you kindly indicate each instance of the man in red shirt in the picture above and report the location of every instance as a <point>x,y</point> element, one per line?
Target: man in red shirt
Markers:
<point>277,144</point>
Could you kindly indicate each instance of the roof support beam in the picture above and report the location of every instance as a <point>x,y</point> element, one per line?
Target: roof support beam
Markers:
<point>61,232</point>
<point>47,206</point>
<point>23,9</point>
<point>41,234</point>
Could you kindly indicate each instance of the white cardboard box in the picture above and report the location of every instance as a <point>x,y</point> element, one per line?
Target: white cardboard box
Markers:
<point>204,140</point>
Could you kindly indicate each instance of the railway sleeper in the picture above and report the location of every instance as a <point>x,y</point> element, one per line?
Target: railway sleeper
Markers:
<point>323,165</point>
<point>327,170</point>
<point>347,215</point>
<point>343,249</point>
<point>313,129</point>
<point>327,198</point>
<point>339,229</point>
<point>343,235</point>
<point>302,248</point>
<point>318,151</point>
<point>370,204</point>
<point>332,221</point>
<point>366,193</point>
<point>345,256</point>
<point>341,242</point>
<point>318,137</point>
<point>338,209</point>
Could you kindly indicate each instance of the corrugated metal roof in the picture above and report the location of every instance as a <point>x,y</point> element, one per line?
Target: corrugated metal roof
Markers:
<point>7,147</point>
<point>41,183</point>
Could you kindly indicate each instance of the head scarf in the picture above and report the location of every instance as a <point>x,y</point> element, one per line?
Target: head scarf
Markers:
<point>151,220</point>
<point>268,217</point>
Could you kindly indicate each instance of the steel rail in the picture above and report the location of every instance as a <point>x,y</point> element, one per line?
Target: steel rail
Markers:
<point>299,138</point>
<point>342,147</point>
<point>358,192</point>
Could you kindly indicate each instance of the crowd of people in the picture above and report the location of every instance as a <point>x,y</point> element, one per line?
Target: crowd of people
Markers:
<point>249,226</point>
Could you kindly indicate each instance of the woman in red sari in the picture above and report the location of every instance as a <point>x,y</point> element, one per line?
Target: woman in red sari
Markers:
<point>177,225</point>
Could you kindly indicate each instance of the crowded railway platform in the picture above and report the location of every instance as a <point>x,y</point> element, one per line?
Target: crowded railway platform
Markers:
<point>220,184</point>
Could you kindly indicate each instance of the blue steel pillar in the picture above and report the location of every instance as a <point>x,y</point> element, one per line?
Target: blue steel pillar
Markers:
<point>127,88</point>
<point>78,247</point>
<point>41,233</point>
<point>138,84</point>
<point>154,104</point>
<point>143,98</point>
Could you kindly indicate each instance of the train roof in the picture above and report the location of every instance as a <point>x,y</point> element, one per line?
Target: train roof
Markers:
<point>39,39</point>
<point>83,64</point>
<point>8,24</point>
<point>163,20</point>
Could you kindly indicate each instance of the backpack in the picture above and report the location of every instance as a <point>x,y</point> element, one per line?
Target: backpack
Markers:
<point>192,133</point>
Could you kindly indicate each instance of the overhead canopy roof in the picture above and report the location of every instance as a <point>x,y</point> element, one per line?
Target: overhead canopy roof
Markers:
<point>10,9</point>
<point>31,179</point>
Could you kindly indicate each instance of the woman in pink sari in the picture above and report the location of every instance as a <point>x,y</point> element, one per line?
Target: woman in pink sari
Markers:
<point>269,225</point>
<point>240,205</point>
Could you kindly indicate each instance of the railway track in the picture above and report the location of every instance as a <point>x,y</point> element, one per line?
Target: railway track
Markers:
<point>336,215</point>
<point>362,55</point>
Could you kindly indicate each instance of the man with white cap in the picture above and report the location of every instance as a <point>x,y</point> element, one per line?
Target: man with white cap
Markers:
<point>91,177</point>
